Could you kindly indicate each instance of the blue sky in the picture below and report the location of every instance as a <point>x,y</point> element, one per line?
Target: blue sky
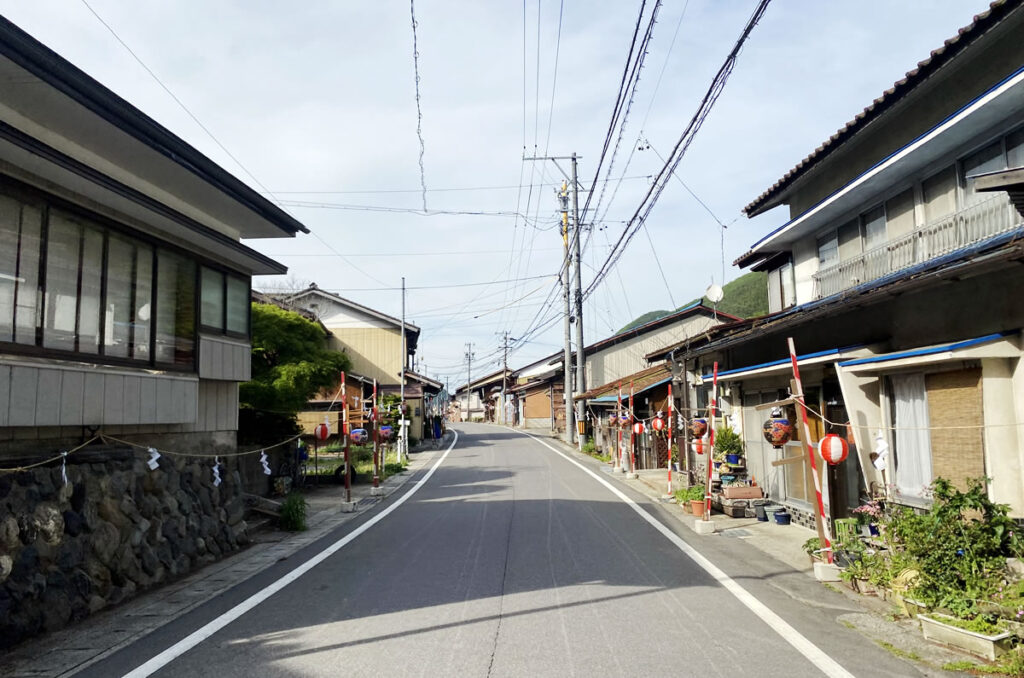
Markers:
<point>316,103</point>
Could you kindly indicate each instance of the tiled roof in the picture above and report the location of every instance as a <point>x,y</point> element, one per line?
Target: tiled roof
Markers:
<point>996,12</point>
<point>640,380</point>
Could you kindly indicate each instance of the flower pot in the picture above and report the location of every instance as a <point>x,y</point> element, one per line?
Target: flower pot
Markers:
<point>697,507</point>
<point>732,459</point>
<point>978,644</point>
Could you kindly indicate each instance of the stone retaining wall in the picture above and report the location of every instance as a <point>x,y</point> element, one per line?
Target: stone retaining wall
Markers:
<point>116,528</point>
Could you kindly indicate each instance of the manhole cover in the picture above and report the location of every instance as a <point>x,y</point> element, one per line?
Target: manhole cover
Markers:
<point>735,532</point>
<point>366,501</point>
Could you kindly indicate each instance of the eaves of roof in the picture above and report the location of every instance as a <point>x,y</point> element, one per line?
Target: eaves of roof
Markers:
<point>1005,247</point>
<point>62,75</point>
<point>640,380</point>
<point>997,11</point>
<point>409,327</point>
<point>692,309</point>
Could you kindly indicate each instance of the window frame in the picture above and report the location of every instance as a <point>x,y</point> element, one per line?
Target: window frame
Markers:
<point>46,203</point>
<point>225,275</point>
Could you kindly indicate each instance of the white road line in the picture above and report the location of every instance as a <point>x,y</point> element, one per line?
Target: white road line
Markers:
<point>812,652</point>
<point>188,642</point>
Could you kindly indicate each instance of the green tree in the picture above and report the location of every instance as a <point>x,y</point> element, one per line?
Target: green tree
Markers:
<point>290,364</point>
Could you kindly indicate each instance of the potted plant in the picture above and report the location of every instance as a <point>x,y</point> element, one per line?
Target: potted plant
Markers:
<point>868,517</point>
<point>728,445</point>
<point>981,635</point>
<point>695,495</point>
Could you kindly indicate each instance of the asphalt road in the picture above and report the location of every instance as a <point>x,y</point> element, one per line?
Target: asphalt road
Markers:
<point>511,560</point>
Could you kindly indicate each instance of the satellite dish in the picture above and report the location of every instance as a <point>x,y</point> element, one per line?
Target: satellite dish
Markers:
<point>714,293</point>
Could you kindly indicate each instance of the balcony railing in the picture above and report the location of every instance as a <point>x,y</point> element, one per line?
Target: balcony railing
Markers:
<point>958,230</point>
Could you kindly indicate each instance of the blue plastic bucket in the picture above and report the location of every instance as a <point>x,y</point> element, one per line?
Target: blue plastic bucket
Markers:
<point>782,518</point>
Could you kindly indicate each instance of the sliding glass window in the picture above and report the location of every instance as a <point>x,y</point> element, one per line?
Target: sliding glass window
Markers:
<point>71,285</point>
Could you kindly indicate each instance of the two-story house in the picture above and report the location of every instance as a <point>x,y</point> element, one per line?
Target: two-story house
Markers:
<point>899,280</point>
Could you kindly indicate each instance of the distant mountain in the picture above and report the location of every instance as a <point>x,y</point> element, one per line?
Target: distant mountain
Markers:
<point>746,297</point>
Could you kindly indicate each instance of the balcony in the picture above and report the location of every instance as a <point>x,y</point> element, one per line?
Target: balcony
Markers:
<point>961,229</point>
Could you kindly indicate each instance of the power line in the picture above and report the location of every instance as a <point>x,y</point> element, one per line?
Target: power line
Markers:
<point>707,103</point>
<point>176,99</point>
<point>419,110</point>
<point>430,287</point>
<point>432,190</point>
<point>407,254</point>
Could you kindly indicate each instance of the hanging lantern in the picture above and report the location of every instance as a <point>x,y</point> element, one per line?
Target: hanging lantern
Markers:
<point>697,445</point>
<point>698,427</point>
<point>624,421</point>
<point>386,432</point>
<point>777,430</point>
<point>638,428</point>
<point>321,432</point>
<point>612,420</point>
<point>833,449</point>
<point>658,423</point>
<point>359,436</point>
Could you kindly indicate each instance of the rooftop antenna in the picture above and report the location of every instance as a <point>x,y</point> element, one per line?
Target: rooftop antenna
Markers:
<point>714,294</point>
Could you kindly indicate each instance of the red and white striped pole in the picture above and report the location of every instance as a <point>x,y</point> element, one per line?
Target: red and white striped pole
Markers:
<point>711,447</point>
<point>822,524</point>
<point>632,436</point>
<point>344,435</point>
<point>618,424</point>
<point>373,425</point>
<point>670,439</point>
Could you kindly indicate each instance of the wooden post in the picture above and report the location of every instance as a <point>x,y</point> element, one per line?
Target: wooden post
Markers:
<point>711,440</point>
<point>812,466</point>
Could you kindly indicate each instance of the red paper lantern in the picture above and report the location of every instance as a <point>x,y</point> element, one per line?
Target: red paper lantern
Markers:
<point>638,427</point>
<point>833,449</point>
<point>698,445</point>
<point>777,430</point>
<point>698,427</point>
<point>658,424</point>
<point>321,432</point>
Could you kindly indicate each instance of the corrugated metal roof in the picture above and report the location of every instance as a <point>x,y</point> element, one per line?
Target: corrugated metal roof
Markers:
<point>982,22</point>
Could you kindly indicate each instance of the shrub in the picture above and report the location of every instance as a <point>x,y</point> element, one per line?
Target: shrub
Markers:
<point>727,441</point>
<point>293,513</point>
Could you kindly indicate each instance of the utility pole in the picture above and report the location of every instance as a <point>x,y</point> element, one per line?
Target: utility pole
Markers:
<point>504,373</point>
<point>403,433</point>
<point>469,380</point>
<point>581,377</point>
<point>567,388</point>
<point>570,425</point>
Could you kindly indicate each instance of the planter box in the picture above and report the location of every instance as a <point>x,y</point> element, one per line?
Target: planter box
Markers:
<point>978,644</point>
<point>741,492</point>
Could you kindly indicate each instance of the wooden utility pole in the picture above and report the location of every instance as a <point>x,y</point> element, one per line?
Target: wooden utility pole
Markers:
<point>570,414</point>
<point>581,377</point>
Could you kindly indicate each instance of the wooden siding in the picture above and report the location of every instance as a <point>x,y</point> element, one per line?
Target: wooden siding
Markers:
<point>224,359</point>
<point>627,357</point>
<point>376,353</point>
<point>33,395</point>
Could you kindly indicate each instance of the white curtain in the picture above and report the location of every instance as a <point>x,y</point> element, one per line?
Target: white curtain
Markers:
<point>913,442</point>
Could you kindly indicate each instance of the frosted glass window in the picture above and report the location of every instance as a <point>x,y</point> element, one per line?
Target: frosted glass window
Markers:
<point>63,249</point>
<point>142,302</point>
<point>175,309</point>
<point>212,310</point>
<point>10,235</point>
<point>238,305</point>
<point>90,291</point>
<point>118,316</point>
<point>939,193</point>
